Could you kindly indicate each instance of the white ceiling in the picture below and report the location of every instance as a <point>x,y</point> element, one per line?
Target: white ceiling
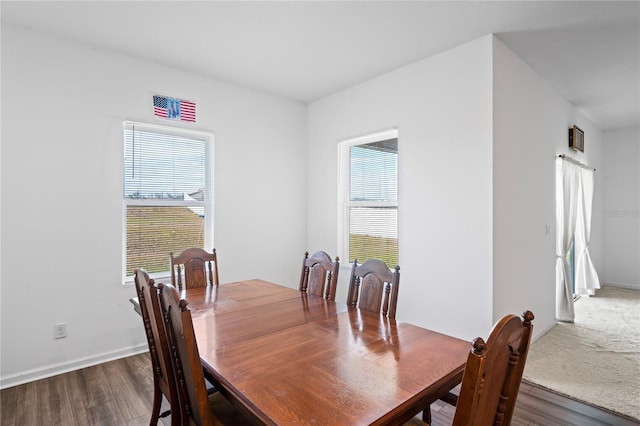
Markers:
<point>305,50</point>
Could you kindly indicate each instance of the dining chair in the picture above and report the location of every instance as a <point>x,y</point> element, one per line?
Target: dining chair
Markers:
<point>196,267</point>
<point>493,374</point>
<point>374,287</point>
<point>195,405</point>
<point>158,350</point>
<point>319,275</point>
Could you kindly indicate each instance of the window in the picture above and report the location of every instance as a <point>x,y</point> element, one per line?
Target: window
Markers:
<point>167,195</point>
<point>369,198</point>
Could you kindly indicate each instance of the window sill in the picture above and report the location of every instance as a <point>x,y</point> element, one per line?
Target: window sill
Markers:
<point>158,278</point>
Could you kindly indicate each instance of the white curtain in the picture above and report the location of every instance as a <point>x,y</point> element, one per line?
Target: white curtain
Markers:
<point>567,190</point>
<point>586,277</point>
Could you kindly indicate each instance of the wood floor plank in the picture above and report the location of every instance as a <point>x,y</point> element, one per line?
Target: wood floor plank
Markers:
<point>27,404</point>
<point>88,394</point>
<point>140,421</point>
<point>531,403</point>
<point>602,416</point>
<point>525,387</point>
<point>134,384</point>
<point>443,417</point>
<point>54,405</point>
<point>106,414</point>
<point>8,404</point>
<point>535,415</point>
<point>87,387</point>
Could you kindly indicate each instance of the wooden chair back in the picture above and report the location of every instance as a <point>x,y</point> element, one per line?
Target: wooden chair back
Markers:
<point>374,287</point>
<point>163,379</point>
<point>192,391</point>
<point>319,275</point>
<point>194,267</point>
<point>493,374</point>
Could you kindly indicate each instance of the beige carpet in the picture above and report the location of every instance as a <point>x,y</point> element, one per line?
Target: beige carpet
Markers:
<point>596,359</point>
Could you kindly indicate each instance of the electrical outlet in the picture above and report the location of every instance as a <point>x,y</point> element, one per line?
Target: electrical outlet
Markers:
<point>60,331</point>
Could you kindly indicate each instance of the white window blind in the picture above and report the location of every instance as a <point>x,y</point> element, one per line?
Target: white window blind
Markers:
<point>371,200</point>
<point>167,195</point>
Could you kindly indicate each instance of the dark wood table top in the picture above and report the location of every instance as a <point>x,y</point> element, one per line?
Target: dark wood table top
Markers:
<point>288,358</point>
<point>215,300</point>
<point>221,299</point>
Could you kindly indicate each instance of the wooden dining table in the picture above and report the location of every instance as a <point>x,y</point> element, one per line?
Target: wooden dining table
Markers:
<point>287,358</point>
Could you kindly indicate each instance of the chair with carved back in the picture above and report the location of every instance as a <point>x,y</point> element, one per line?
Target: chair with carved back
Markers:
<point>319,275</point>
<point>374,287</point>
<point>163,380</point>
<point>195,405</point>
<point>194,267</point>
<point>493,374</point>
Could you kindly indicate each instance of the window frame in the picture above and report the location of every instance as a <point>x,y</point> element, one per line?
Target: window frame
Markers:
<point>208,204</point>
<point>344,202</point>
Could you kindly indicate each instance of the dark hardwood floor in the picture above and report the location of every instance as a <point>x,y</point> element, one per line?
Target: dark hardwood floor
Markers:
<point>120,393</point>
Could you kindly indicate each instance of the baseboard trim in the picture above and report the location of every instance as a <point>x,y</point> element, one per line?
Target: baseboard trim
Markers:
<point>65,367</point>
<point>622,285</point>
<point>539,332</point>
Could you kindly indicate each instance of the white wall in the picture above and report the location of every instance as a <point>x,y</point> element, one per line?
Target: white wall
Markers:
<point>63,107</point>
<point>622,208</point>
<point>442,109</point>
<point>479,131</point>
<point>531,123</point>
<point>473,218</point>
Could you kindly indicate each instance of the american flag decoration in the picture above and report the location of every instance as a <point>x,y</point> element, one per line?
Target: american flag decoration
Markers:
<point>174,109</point>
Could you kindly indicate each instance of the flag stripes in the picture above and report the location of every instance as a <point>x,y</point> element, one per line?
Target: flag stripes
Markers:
<point>174,109</point>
